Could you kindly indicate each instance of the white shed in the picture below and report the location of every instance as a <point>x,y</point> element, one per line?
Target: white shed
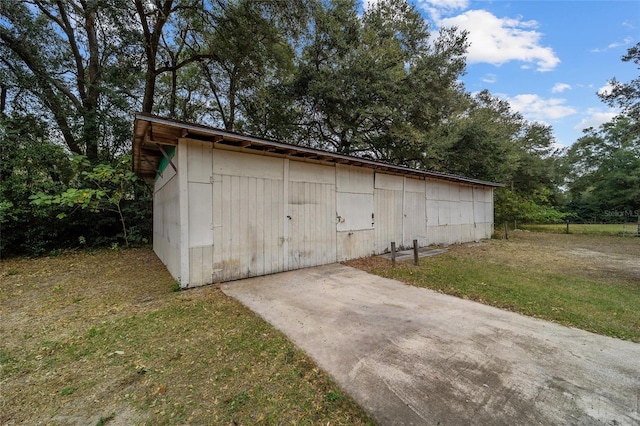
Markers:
<point>230,206</point>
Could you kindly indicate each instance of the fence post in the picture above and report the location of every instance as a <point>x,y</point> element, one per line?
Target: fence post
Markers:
<point>415,252</point>
<point>393,253</point>
<point>567,231</point>
<point>506,230</point>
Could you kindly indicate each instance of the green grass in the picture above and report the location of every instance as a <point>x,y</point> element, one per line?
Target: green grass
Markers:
<point>529,276</point>
<point>624,229</point>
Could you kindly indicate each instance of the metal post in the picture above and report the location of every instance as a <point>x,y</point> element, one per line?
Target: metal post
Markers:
<point>393,253</point>
<point>415,252</point>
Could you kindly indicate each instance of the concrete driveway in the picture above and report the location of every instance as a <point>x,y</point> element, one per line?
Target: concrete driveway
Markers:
<point>414,356</point>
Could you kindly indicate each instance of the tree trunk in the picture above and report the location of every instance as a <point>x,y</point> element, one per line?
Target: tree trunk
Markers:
<point>3,99</point>
<point>91,130</point>
<point>151,43</point>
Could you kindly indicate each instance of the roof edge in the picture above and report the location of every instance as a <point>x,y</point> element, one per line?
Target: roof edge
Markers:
<point>225,134</point>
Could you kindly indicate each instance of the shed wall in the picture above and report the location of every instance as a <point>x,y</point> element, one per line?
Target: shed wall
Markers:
<point>458,213</point>
<point>166,220</point>
<point>255,214</point>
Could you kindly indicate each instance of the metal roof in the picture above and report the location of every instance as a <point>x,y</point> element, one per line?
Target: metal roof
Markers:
<point>152,133</point>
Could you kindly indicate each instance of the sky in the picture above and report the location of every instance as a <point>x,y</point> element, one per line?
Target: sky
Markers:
<point>548,58</point>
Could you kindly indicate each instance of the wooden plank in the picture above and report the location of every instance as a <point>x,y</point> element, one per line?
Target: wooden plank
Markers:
<point>243,241</point>
<point>260,228</point>
<point>285,203</point>
<point>183,203</point>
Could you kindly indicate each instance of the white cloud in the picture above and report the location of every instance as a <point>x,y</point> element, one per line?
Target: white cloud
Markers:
<point>436,8</point>
<point>594,119</point>
<point>560,87</point>
<point>535,108</point>
<point>605,90</point>
<point>500,40</point>
<point>490,78</point>
<point>627,41</point>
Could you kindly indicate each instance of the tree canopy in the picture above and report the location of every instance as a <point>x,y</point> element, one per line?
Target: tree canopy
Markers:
<point>377,83</point>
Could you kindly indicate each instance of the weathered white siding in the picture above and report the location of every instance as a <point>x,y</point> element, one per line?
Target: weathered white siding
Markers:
<point>166,219</point>
<point>355,211</point>
<point>458,213</point>
<point>229,214</point>
<point>415,212</point>
<point>388,211</point>
<point>248,215</point>
<point>311,215</point>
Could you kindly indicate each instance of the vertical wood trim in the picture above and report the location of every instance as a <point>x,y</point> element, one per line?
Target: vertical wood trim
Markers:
<point>285,201</point>
<point>404,205</point>
<point>260,227</point>
<point>473,206</point>
<point>183,201</point>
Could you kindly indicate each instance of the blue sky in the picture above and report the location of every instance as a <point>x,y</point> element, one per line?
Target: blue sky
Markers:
<point>548,58</point>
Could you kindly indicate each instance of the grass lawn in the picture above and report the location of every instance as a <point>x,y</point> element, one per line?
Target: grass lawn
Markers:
<point>94,338</point>
<point>585,281</point>
<point>623,229</point>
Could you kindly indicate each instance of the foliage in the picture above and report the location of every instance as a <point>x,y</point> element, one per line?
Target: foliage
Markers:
<point>490,141</point>
<point>103,188</point>
<point>376,82</point>
<point>30,163</point>
<point>67,60</point>
<point>604,175</point>
<point>603,166</point>
<point>532,208</point>
<point>106,189</point>
<point>372,85</point>
<point>626,96</point>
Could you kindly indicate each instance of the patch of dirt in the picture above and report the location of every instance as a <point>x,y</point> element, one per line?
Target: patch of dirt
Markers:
<point>615,259</point>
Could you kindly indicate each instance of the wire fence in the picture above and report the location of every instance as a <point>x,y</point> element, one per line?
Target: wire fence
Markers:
<point>628,229</point>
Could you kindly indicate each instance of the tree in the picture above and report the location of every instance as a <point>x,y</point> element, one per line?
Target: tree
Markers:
<point>59,55</point>
<point>29,163</point>
<point>250,49</point>
<point>604,176</point>
<point>626,96</point>
<point>371,85</point>
<point>102,188</point>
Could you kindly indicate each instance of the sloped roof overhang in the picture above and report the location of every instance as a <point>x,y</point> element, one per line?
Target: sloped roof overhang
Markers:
<point>152,134</point>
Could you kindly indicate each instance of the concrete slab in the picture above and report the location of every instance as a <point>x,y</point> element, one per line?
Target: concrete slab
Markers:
<point>412,356</point>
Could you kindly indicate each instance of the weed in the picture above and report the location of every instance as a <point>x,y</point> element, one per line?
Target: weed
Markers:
<point>77,299</point>
<point>176,286</point>
<point>68,391</point>
<point>237,401</point>
<point>55,252</point>
<point>12,272</point>
<point>332,396</point>
<point>103,420</point>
